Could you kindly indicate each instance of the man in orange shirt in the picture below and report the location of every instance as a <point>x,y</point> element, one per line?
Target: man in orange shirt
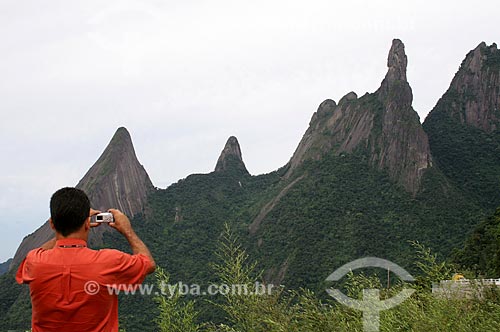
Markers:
<point>70,283</point>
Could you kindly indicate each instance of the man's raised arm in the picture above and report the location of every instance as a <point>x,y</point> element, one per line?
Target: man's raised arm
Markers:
<point>122,224</point>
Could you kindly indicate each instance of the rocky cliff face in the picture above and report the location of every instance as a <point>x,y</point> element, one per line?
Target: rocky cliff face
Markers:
<point>230,157</point>
<point>383,124</point>
<point>404,146</point>
<point>464,127</point>
<point>474,95</point>
<point>116,180</point>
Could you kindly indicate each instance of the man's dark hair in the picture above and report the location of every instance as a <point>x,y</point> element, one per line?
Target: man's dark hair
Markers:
<point>69,207</point>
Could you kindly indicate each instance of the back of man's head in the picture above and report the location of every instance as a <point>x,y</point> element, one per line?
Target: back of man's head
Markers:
<point>69,208</point>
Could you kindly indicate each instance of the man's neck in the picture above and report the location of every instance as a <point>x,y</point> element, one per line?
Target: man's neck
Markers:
<point>76,235</point>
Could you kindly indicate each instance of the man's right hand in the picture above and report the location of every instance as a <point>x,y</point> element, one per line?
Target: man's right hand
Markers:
<point>121,222</point>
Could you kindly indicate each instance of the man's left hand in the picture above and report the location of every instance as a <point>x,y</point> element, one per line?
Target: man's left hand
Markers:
<point>93,213</point>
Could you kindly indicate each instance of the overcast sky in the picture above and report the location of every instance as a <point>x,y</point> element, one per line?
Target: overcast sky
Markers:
<point>183,76</point>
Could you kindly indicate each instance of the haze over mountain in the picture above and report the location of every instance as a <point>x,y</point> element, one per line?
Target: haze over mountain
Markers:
<point>365,179</point>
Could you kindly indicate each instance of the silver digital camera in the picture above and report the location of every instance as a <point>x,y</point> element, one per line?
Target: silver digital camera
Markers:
<point>104,217</point>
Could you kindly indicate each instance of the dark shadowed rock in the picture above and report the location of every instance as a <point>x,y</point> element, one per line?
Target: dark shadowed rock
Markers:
<point>397,63</point>
<point>404,145</point>
<point>348,97</point>
<point>116,180</point>
<point>383,124</point>
<point>474,94</point>
<point>230,157</point>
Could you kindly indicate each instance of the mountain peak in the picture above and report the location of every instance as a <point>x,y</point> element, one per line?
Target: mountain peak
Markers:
<point>474,59</point>
<point>118,170</point>
<point>230,157</point>
<point>121,142</point>
<point>464,125</point>
<point>481,58</point>
<point>473,97</point>
<point>122,135</point>
<point>397,62</point>
<point>116,180</point>
<point>395,87</point>
<point>383,124</point>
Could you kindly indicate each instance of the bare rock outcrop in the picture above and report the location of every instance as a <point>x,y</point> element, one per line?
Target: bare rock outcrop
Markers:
<point>474,94</point>
<point>116,180</point>
<point>382,123</point>
<point>230,157</point>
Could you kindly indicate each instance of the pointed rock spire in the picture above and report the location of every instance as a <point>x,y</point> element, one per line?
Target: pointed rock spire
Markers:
<point>383,124</point>
<point>230,157</point>
<point>404,145</point>
<point>116,180</point>
<point>395,87</point>
<point>397,62</point>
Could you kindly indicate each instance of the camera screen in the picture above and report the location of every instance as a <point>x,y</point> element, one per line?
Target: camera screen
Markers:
<point>98,217</point>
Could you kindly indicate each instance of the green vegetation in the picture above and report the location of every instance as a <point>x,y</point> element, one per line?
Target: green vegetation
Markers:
<point>342,209</point>
<point>492,60</point>
<point>481,254</point>
<point>468,156</point>
<point>15,305</point>
<point>301,310</point>
<point>175,315</point>
<point>337,208</point>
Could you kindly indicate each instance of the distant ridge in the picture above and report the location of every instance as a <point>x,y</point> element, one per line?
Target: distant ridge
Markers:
<point>4,267</point>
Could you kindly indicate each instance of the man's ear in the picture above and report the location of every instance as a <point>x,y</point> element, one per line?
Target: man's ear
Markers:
<point>52,224</point>
<point>87,224</point>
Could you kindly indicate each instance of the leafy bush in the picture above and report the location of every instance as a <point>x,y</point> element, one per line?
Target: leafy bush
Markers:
<point>298,311</point>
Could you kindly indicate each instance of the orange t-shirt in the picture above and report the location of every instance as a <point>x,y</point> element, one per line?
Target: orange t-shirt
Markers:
<point>69,285</point>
